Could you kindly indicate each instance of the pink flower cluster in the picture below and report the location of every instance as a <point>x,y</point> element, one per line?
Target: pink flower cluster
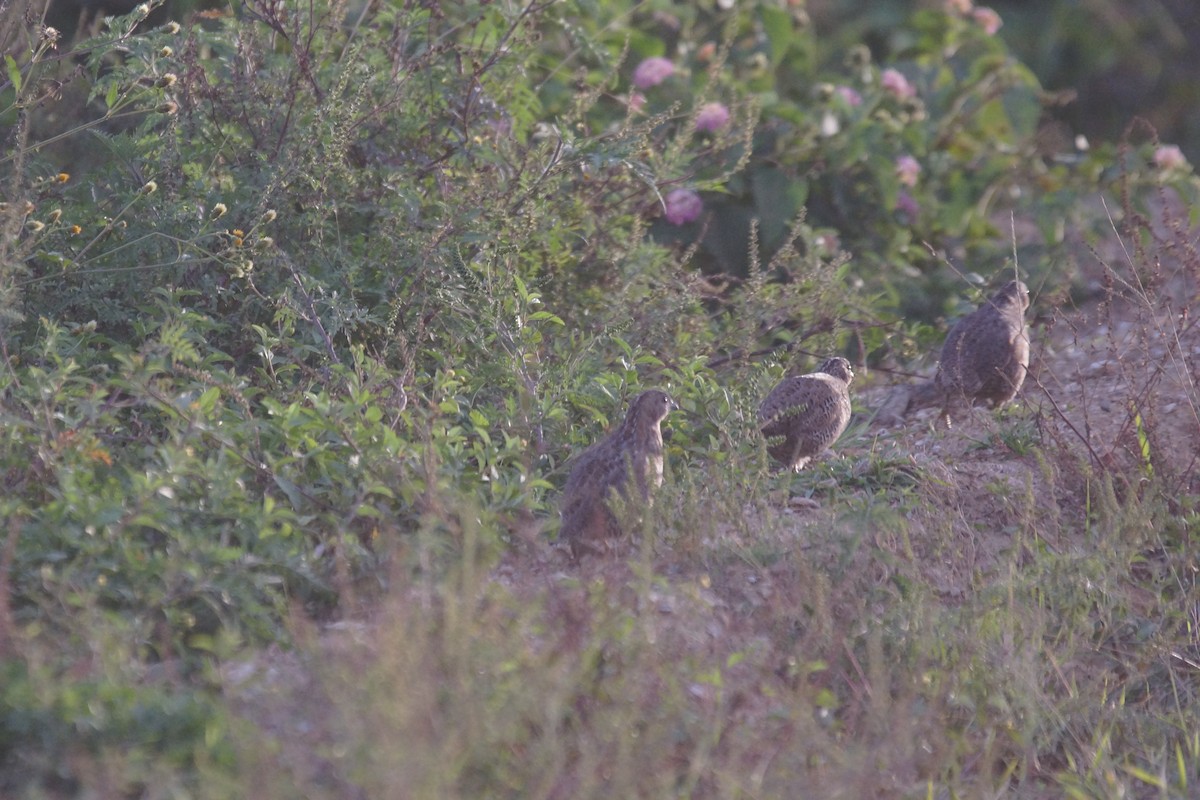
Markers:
<point>712,117</point>
<point>907,170</point>
<point>683,206</point>
<point>1168,157</point>
<point>907,205</point>
<point>893,81</point>
<point>984,17</point>
<point>852,98</point>
<point>652,71</point>
<point>987,19</point>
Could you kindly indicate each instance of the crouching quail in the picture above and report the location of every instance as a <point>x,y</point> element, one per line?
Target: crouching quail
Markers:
<point>986,353</point>
<point>631,454</point>
<point>804,414</point>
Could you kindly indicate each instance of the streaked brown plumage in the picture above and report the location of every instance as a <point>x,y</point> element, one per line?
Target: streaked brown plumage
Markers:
<point>807,412</point>
<point>986,353</point>
<point>635,447</point>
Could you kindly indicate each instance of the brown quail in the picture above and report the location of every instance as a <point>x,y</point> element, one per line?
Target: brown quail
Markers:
<point>986,353</point>
<point>804,414</point>
<point>634,449</point>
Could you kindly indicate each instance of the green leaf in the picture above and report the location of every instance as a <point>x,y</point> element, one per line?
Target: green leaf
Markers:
<point>111,98</point>
<point>777,23</point>
<point>290,489</point>
<point>1024,110</point>
<point>14,72</point>
<point>206,402</point>
<point>546,315</point>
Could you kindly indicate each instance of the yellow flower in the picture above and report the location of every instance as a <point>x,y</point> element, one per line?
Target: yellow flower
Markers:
<point>219,210</point>
<point>62,177</point>
<point>75,230</point>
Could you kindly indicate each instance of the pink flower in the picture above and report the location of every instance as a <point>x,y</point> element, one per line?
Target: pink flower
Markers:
<point>988,19</point>
<point>636,101</point>
<point>852,98</point>
<point>907,170</point>
<point>1169,157</point>
<point>652,72</point>
<point>961,6</point>
<point>712,117</point>
<point>683,206</point>
<point>894,81</point>
<point>907,204</point>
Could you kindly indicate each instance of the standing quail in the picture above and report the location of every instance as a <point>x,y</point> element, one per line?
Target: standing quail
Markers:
<point>636,447</point>
<point>986,353</point>
<point>809,412</point>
